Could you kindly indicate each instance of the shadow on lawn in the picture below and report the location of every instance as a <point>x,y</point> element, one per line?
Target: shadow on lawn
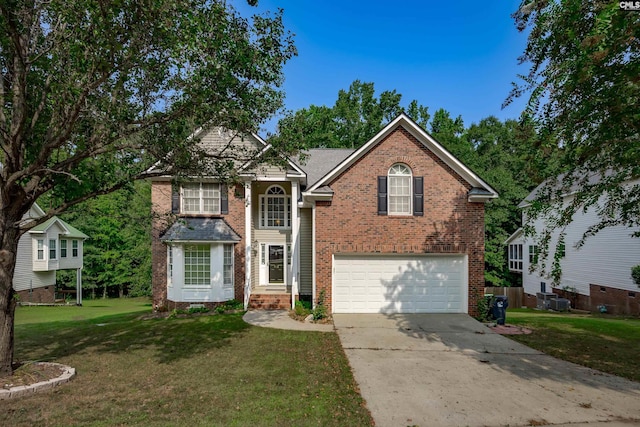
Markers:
<point>167,339</point>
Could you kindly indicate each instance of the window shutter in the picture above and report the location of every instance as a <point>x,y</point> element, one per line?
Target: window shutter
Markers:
<point>382,195</point>
<point>418,196</point>
<point>224,199</point>
<point>175,199</point>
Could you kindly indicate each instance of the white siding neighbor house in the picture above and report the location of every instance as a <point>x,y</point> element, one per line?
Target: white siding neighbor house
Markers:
<point>595,277</point>
<point>44,249</point>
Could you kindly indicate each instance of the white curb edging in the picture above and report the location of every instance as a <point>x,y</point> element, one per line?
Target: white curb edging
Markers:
<point>18,391</point>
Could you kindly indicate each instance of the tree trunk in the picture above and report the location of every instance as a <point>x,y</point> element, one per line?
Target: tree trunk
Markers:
<point>10,236</point>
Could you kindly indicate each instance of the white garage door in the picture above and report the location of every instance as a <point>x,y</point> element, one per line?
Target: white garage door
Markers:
<point>399,284</point>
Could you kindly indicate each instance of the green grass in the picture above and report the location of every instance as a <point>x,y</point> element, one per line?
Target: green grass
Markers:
<point>199,371</point>
<point>90,309</point>
<point>607,343</point>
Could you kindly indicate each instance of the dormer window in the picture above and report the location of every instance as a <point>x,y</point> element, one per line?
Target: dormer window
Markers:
<point>275,208</point>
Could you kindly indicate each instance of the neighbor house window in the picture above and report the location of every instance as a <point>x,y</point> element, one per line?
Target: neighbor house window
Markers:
<point>63,248</point>
<point>197,265</point>
<point>52,249</point>
<point>200,197</point>
<point>399,190</point>
<point>74,248</point>
<point>533,254</point>
<point>227,273</point>
<point>275,208</point>
<point>515,257</point>
<point>40,249</point>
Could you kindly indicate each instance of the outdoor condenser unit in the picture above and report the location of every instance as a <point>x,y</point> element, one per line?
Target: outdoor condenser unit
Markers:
<point>543,300</point>
<point>559,304</point>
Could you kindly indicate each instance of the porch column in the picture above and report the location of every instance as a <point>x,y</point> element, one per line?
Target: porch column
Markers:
<point>295,238</point>
<point>79,286</point>
<point>247,243</point>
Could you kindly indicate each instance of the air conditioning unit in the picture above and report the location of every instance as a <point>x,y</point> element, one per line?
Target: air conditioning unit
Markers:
<point>543,300</point>
<point>559,304</point>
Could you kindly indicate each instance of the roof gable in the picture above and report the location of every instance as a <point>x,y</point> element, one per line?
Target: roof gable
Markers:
<point>482,191</point>
<point>63,227</point>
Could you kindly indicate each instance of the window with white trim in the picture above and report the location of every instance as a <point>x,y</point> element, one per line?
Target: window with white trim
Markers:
<point>197,265</point>
<point>200,197</point>
<point>275,208</point>
<point>227,273</point>
<point>52,249</point>
<point>399,190</point>
<point>40,249</point>
<point>63,248</point>
<point>533,254</point>
<point>74,248</point>
<point>515,257</point>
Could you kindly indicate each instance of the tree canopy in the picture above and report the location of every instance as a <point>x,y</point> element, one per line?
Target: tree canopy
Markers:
<point>583,86</point>
<point>94,93</point>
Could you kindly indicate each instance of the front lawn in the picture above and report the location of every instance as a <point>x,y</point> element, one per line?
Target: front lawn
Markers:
<point>609,344</point>
<point>203,370</point>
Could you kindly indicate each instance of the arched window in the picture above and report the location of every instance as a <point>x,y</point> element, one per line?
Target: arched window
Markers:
<point>399,189</point>
<point>275,208</point>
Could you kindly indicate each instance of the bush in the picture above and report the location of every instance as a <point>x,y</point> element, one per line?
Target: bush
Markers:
<point>320,312</point>
<point>302,308</point>
<point>635,274</point>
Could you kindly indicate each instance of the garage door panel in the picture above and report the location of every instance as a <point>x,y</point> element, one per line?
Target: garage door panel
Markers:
<point>393,284</point>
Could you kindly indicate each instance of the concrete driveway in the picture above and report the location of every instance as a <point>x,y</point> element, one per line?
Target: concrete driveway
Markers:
<point>450,370</point>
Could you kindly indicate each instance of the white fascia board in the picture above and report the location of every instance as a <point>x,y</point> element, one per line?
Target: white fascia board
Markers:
<point>480,198</point>
<point>513,236</point>
<point>420,135</point>
<point>310,196</point>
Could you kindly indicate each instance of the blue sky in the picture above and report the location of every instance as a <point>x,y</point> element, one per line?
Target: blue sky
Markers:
<point>458,55</point>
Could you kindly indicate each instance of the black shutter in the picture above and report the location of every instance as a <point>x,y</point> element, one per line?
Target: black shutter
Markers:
<point>175,199</point>
<point>382,195</point>
<point>418,196</point>
<point>224,199</point>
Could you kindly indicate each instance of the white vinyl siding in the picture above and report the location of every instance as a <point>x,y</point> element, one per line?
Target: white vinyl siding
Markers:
<point>306,249</point>
<point>605,259</point>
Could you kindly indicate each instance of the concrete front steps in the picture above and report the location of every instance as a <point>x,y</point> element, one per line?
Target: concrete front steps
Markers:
<point>270,301</point>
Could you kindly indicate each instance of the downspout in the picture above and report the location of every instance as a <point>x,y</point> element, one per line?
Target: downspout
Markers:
<point>247,245</point>
<point>295,236</point>
<point>313,255</point>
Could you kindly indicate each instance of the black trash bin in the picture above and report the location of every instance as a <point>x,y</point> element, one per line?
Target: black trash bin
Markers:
<point>499,308</point>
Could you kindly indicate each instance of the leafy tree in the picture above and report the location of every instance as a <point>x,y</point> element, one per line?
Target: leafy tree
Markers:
<point>354,119</point>
<point>93,93</point>
<point>583,86</point>
<point>117,256</point>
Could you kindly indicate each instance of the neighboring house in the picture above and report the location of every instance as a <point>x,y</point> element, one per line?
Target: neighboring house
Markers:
<point>396,226</point>
<point>594,276</point>
<point>44,249</point>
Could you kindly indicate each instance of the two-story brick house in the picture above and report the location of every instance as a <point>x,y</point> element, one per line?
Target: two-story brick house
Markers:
<point>394,226</point>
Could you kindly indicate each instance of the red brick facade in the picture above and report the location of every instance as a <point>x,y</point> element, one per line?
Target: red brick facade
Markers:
<point>44,295</point>
<point>350,222</point>
<point>161,192</point>
<point>616,301</point>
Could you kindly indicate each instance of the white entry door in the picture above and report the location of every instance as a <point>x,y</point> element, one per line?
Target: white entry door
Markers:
<point>273,260</point>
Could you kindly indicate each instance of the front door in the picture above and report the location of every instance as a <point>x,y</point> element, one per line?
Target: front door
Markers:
<point>276,264</point>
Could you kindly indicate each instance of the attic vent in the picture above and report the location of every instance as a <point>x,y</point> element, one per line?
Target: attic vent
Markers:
<point>632,294</point>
